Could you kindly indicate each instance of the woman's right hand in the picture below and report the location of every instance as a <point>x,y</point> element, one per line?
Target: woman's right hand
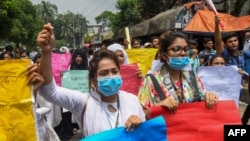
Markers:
<point>217,20</point>
<point>169,103</point>
<point>46,38</point>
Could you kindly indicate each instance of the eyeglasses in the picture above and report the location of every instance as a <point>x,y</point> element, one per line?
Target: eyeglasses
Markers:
<point>179,49</point>
<point>218,63</point>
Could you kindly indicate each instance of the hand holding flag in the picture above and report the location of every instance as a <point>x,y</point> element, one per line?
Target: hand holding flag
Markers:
<point>211,4</point>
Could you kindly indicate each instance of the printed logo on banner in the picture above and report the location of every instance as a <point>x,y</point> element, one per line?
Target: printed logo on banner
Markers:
<point>236,132</point>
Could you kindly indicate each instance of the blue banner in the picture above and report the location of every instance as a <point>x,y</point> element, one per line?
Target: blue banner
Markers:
<point>151,130</point>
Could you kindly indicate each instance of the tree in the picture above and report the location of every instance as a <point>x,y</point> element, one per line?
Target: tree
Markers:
<point>136,11</point>
<point>19,23</point>
<point>105,19</point>
<point>47,11</point>
<point>80,28</point>
<point>238,4</point>
<point>70,27</point>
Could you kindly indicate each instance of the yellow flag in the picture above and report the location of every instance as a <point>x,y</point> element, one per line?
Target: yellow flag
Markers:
<point>143,57</point>
<point>17,121</point>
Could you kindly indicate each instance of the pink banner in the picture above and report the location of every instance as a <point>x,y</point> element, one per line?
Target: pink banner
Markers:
<point>131,81</point>
<point>193,121</point>
<point>60,62</point>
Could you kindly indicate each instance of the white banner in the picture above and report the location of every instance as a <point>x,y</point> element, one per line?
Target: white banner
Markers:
<point>223,80</point>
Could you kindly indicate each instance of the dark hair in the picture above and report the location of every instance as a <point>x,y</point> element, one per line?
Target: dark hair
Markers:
<point>83,65</point>
<point>97,57</point>
<point>134,40</point>
<point>229,35</point>
<point>38,55</point>
<point>25,51</point>
<point>216,56</point>
<point>91,51</point>
<point>205,40</point>
<point>8,48</point>
<point>156,55</point>
<point>154,37</point>
<point>9,53</point>
<point>168,37</point>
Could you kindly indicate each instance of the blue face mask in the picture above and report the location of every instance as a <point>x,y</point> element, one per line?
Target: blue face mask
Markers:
<point>109,85</point>
<point>178,63</point>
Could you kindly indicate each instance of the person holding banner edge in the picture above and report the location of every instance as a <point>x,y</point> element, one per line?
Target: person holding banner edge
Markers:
<point>105,106</point>
<point>233,56</point>
<point>178,84</point>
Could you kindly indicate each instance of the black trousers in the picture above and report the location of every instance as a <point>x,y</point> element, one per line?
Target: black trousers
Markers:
<point>246,115</point>
<point>64,129</point>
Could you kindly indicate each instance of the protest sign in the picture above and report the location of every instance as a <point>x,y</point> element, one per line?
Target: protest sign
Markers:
<point>193,121</point>
<point>143,57</point>
<point>128,37</point>
<point>151,130</point>
<point>60,63</point>
<point>76,80</point>
<point>17,121</point>
<point>130,79</point>
<point>222,80</point>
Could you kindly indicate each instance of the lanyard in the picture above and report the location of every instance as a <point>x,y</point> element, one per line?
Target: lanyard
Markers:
<point>117,117</point>
<point>179,91</point>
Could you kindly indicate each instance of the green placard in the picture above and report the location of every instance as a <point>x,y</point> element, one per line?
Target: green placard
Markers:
<point>76,80</point>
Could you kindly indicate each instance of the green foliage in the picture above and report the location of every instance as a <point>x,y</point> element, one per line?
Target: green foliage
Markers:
<point>60,43</point>
<point>237,7</point>
<point>19,22</point>
<point>46,11</point>
<point>70,27</point>
<point>8,11</point>
<point>87,39</point>
<point>104,15</point>
<point>135,11</point>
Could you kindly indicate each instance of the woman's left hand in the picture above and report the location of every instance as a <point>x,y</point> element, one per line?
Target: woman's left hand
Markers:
<point>132,122</point>
<point>35,78</point>
<point>211,99</point>
<point>139,74</point>
<point>240,71</point>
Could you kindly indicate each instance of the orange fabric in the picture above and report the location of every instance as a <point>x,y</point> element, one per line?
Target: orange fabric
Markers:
<point>203,21</point>
<point>189,5</point>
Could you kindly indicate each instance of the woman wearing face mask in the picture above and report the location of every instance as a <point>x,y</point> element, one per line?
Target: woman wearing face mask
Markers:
<point>177,82</point>
<point>105,106</point>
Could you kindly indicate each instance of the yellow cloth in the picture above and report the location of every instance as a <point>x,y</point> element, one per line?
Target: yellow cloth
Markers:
<point>143,57</point>
<point>17,122</point>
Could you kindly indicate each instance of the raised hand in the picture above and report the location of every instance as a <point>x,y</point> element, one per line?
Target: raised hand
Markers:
<point>46,38</point>
<point>217,20</point>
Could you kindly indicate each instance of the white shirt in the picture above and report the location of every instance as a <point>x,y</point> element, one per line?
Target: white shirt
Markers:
<point>95,117</point>
<point>246,45</point>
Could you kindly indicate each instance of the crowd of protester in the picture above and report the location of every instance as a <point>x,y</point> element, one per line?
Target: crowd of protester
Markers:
<point>105,106</point>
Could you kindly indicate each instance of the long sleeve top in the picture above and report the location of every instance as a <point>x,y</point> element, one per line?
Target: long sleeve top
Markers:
<point>96,118</point>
